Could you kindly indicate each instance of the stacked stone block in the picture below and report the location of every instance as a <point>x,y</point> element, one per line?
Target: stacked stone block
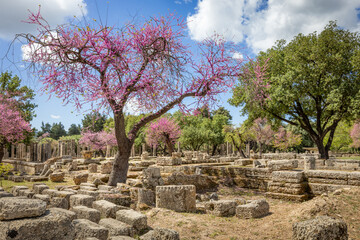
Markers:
<point>289,185</point>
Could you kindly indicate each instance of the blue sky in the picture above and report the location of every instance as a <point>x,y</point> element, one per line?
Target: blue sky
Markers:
<point>256,24</point>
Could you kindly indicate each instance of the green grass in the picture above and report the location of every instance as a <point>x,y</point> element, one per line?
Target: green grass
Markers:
<point>7,185</point>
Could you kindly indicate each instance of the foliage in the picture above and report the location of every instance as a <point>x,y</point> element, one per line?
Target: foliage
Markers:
<point>94,121</point>
<point>312,82</point>
<point>147,64</point>
<point>5,169</point>
<point>22,94</point>
<point>285,139</point>
<point>57,131</point>
<point>45,128</point>
<point>355,135</point>
<point>342,139</point>
<point>74,130</point>
<point>97,140</point>
<point>72,137</point>
<point>163,132</point>
<point>13,127</point>
<point>194,132</point>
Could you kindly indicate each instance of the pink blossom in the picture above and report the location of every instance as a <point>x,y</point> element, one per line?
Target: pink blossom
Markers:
<point>162,131</point>
<point>12,124</point>
<point>98,140</point>
<point>355,135</point>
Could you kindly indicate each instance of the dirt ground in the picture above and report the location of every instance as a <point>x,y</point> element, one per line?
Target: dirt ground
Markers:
<point>277,225</point>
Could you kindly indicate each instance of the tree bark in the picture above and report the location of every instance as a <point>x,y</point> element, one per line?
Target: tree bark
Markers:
<point>2,153</point>
<point>121,161</point>
<point>169,146</point>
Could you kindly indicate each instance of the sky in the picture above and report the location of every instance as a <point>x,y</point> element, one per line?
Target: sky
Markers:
<point>255,24</point>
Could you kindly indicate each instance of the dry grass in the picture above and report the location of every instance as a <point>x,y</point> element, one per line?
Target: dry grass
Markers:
<point>277,225</point>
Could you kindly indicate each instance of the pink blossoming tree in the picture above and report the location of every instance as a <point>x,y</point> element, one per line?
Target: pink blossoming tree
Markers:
<point>98,140</point>
<point>147,64</point>
<point>262,132</point>
<point>12,124</point>
<point>163,131</point>
<point>355,135</point>
<point>284,139</point>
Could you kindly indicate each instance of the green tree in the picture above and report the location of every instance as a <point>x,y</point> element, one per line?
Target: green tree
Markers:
<point>23,94</point>
<point>342,139</point>
<point>312,82</point>
<point>94,121</point>
<point>45,128</point>
<point>74,129</point>
<point>57,131</point>
<point>11,86</point>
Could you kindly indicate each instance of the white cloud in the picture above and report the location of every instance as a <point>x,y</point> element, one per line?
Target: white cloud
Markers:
<point>238,55</point>
<point>55,116</point>
<point>13,12</point>
<point>260,23</point>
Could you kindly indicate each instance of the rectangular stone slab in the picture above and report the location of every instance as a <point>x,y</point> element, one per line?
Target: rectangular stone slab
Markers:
<point>16,208</point>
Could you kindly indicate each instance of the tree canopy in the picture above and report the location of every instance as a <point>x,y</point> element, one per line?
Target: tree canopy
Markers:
<point>147,63</point>
<point>312,82</point>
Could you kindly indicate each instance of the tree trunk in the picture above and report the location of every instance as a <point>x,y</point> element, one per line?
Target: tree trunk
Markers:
<point>214,149</point>
<point>121,161</point>
<point>260,149</point>
<point>324,153</point>
<point>2,153</point>
<point>169,146</point>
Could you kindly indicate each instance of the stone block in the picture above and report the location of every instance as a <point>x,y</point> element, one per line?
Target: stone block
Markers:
<point>49,192</point>
<point>55,224</point>
<point>116,198</point>
<point>85,228</point>
<point>161,234</point>
<point>89,193</point>
<point>106,167</point>
<point>168,161</point>
<point>277,165</point>
<point>39,188</point>
<point>92,168</point>
<point>87,188</point>
<point>107,209</point>
<point>87,213</point>
<point>5,194</point>
<point>309,163</point>
<point>221,208</point>
<point>26,193</point>
<point>320,228</point>
<point>80,178</point>
<point>15,190</point>
<point>44,197</point>
<point>59,202</point>
<point>16,208</point>
<point>146,196</point>
<point>288,176</point>
<point>151,172</point>
<point>135,219</point>
<point>180,198</point>
<point>80,199</point>
<point>57,177</point>
<point>243,162</point>
<point>254,209</point>
<point>105,187</point>
<point>121,238</point>
<point>116,227</point>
